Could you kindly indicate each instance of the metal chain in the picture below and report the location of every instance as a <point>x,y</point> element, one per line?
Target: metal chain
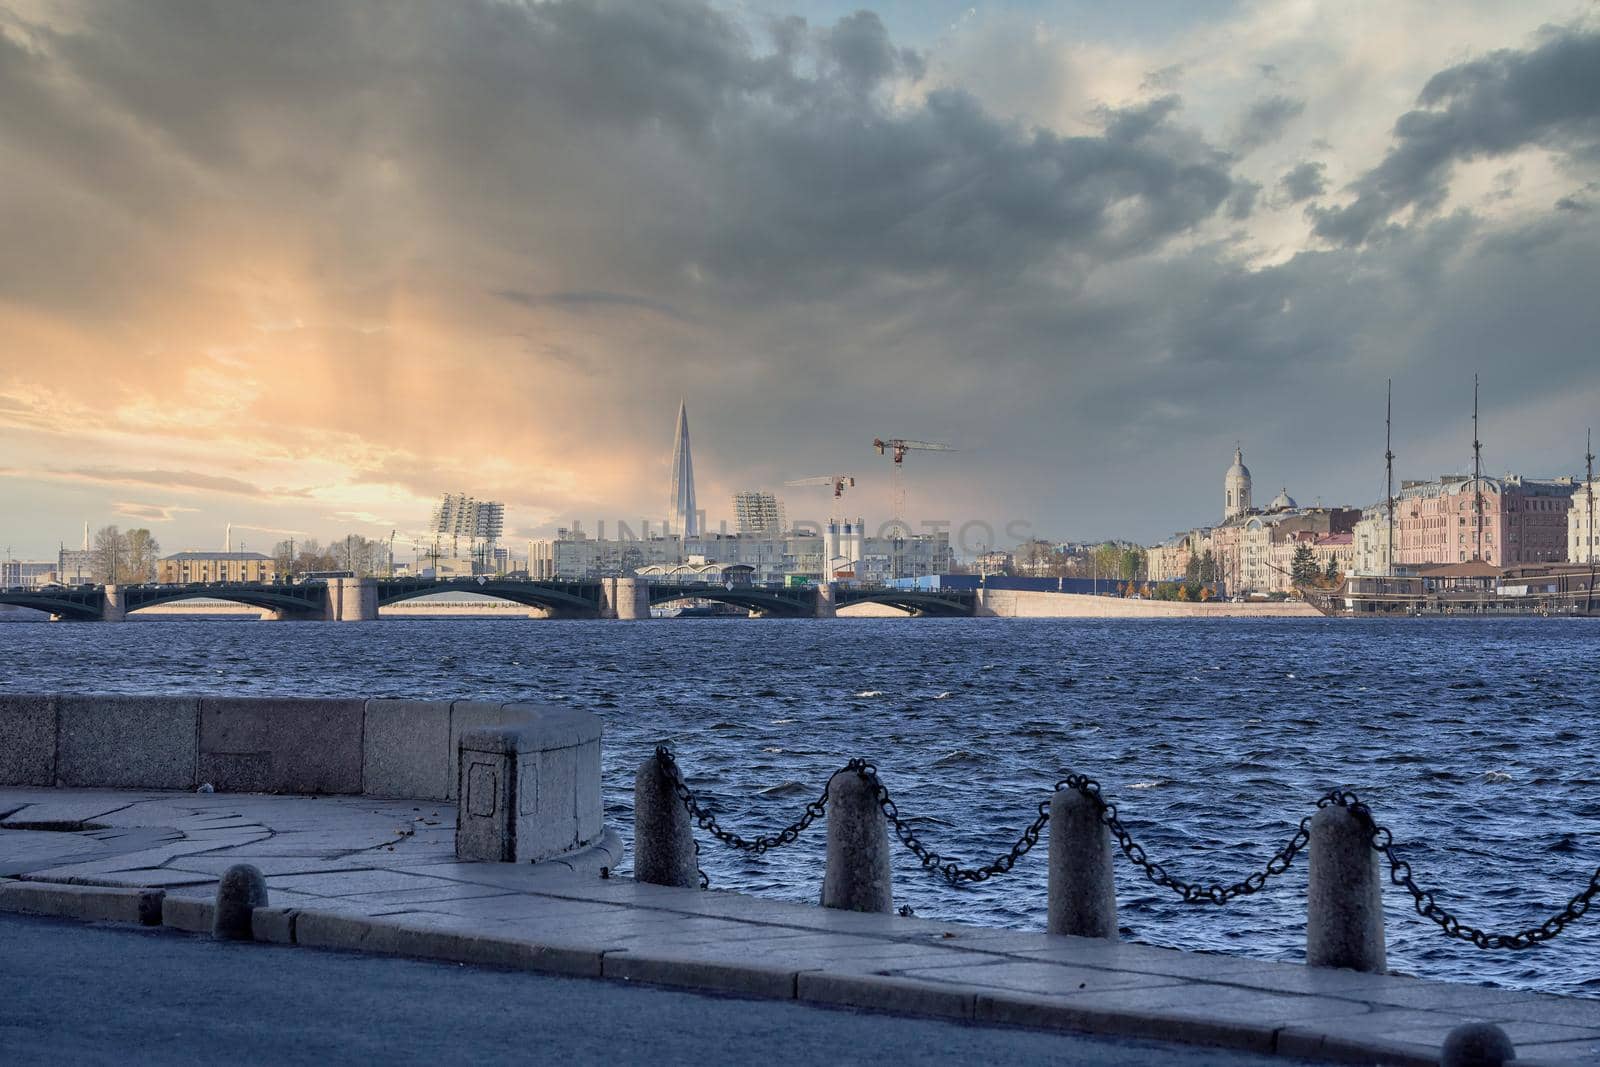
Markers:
<point>1191,892</point>
<point>950,870</point>
<point>1379,837</point>
<point>708,821</point>
<point>1428,906</point>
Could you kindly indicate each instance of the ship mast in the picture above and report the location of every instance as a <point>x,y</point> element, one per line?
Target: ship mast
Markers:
<point>1477,476</point>
<point>1388,464</point>
<point>1588,492</point>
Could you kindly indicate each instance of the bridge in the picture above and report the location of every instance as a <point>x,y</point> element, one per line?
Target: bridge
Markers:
<point>359,599</point>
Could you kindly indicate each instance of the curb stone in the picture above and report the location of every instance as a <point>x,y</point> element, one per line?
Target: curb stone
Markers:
<point>90,903</point>
<point>275,926</point>
<point>771,983</point>
<point>321,929</point>
<point>192,915</point>
<point>1042,1014</point>
<point>885,993</point>
<point>869,992</point>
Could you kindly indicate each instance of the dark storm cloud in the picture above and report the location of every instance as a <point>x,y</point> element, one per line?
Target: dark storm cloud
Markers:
<point>675,140</point>
<point>1264,122</point>
<point>1304,181</point>
<point>777,213</point>
<point>1547,96</point>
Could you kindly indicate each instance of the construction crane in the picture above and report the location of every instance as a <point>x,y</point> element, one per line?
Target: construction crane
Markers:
<point>900,446</point>
<point>846,551</point>
<point>840,482</point>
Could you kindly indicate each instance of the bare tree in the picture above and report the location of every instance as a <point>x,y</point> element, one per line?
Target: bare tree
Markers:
<point>143,552</point>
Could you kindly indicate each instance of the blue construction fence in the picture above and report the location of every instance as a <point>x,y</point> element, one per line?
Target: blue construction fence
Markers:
<point>1105,586</point>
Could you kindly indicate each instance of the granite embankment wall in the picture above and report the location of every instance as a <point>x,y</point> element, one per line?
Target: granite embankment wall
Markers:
<point>1026,604</point>
<point>374,747</point>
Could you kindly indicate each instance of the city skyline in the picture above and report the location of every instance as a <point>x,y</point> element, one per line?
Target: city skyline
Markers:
<point>1091,249</point>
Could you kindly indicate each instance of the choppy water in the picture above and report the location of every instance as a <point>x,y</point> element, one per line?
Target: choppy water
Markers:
<point>1472,740</point>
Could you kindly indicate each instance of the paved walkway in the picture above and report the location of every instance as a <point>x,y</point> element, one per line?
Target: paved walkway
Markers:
<point>380,876</point>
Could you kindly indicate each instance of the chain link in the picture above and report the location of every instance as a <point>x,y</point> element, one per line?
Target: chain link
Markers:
<point>950,870</point>
<point>1427,904</point>
<point>1379,837</point>
<point>708,821</point>
<point>1191,892</point>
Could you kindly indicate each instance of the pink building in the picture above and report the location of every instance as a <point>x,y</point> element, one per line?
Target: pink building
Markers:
<point>1524,521</point>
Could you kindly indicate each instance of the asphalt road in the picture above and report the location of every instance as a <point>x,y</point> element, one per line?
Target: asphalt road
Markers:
<point>89,994</point>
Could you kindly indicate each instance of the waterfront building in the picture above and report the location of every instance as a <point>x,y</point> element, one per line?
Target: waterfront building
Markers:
<point>15,573</point>
<point>998,561</point>
<point>182,568</point>
<point>843,551</point>
<point>77,566</point>
<point>1583,525</point>
<point>685,519</point>
<point>1169,560</point>
<point>1524,520</point>
<point>758,513</point>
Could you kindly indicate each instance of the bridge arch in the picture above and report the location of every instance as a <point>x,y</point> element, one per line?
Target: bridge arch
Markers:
<point>302,600</point>
<point>559,598</point>
<point>914,601</point>
<point>753,598</point>
<point>63,604</point>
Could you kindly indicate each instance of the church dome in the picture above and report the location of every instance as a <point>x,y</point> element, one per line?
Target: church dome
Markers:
<point>1282,502</point>
<point>1238,470</point>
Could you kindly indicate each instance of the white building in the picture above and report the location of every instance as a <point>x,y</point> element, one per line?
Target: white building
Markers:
<point>1583,524</point>
<point>842,551</point>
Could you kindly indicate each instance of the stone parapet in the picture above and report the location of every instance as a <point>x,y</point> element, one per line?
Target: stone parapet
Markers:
<point>354,745</point>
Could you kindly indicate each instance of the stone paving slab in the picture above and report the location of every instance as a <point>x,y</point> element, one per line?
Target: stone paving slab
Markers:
<point>360,874</point>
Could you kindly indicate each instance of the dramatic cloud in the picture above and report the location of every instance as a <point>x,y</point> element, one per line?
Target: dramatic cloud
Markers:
<point>374,250</point>
<point>1547,97</point>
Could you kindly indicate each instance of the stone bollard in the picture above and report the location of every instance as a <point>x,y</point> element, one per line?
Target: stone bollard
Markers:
<point>241,891</point>
<point>1344,895</point>
<point>1083,894</point>
<point>663,840</point>
<point>857,875</point>
<point>1477,1045</point>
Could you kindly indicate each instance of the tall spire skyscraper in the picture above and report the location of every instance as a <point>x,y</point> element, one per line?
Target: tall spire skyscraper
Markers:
<point>684,518</point>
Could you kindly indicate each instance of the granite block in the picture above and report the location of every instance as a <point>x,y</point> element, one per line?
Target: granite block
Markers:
<point>127,742</point>
<point>27,739</point>
<point>406,749</point>
<point>281,745</point>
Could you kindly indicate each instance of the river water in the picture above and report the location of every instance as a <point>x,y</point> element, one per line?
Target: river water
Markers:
<point>1472,740</point>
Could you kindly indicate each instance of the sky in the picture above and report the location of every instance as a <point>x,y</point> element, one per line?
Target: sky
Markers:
<point>303,267</point>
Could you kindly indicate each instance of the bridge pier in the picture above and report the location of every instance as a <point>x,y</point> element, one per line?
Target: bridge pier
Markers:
<point>352,600</point>
<point>625,598</point>
<point>826,608</point>
<point>116,605</point>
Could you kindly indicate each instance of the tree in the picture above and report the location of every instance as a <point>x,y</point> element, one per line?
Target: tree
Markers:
<point>124,558</point>
<point>1331,575</point>
<point>1107,560</point>
<point>1304,568</point>
<point>143,552</point>
<point>1191,569</point>
<point>1208,568</point>
<point>1131,564</point>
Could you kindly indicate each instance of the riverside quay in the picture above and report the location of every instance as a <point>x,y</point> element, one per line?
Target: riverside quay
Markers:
<point>474,832</point>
